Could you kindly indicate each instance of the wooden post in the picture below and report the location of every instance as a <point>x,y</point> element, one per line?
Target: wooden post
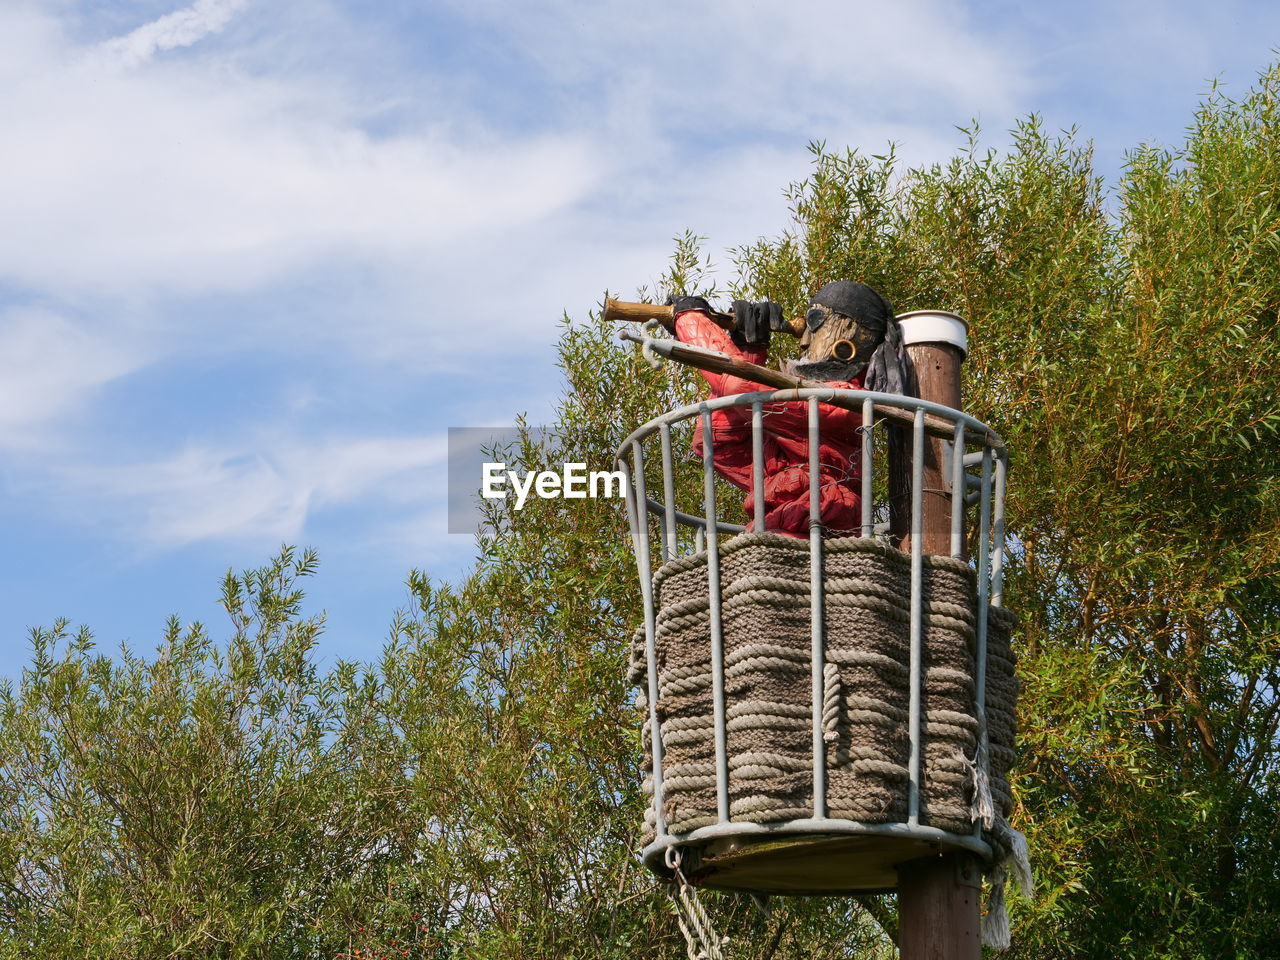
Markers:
<point>938,908</point>
<point>937,373</point>
<point>938,897</point>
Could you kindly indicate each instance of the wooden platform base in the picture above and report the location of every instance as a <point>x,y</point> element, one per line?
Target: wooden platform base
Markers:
<point>822,865</point>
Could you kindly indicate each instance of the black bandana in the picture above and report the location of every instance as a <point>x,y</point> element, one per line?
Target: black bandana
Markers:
<point>856,301</point>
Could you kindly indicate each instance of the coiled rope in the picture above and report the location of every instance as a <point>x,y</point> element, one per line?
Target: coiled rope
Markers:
<point>765,613</point>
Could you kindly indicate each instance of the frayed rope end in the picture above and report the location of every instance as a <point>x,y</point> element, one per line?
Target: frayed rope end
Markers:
<point>1017,866</point>
<point>982,809</point>
<point>995,924</point>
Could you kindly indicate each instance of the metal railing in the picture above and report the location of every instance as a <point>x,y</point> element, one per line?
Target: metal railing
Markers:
<point>986,490</point>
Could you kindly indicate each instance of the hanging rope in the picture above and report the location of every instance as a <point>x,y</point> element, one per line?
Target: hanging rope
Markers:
<point>700,937</point>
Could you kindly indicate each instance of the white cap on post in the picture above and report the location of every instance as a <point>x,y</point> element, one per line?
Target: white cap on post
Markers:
<point>935,326</point>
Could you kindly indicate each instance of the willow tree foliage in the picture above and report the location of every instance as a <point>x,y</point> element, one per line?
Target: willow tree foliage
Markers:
<point>474,792</point>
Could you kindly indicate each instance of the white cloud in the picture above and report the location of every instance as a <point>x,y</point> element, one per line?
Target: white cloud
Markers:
<point>154,183</point>
<point>195,174</point>
<point>260,493</point>
<point>49,367</point>
<point>188,177</point>
<point>765,68</point>
<point>182,28</point>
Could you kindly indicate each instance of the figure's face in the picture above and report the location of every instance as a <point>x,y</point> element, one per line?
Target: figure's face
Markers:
<point>839,338</point>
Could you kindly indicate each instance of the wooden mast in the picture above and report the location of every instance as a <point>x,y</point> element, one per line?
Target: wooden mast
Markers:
<point>939,915</point>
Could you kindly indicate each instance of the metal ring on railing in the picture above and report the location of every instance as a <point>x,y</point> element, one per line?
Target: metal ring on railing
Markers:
<point>646,348</point>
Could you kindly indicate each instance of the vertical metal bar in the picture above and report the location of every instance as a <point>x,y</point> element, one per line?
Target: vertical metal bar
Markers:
<point>998,533</point>
<point>817,612</point>
<point>868,459</point>
<point>984,562</point>
<point>917,638</point>
<point>757,465</point>
<point>717,631</point>
<point>957,492</point>
<point>642,499</point>
<point>642,492</point>
<point>980,647</point>
<point>699,539</point>
<point>668,496</point>
<point>640,541</point>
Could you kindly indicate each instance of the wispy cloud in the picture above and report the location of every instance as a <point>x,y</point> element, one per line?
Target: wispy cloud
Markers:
<point>49,368</point>
<point>159,187</point>
<point>182,28</point>
<point>262,492</point>
<point>806,67</point>
<point>189,177</point>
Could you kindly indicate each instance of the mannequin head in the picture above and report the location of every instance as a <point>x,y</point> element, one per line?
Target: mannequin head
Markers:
<point>845,323</point>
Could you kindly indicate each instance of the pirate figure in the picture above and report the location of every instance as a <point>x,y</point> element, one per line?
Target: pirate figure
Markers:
<point>851,341</point>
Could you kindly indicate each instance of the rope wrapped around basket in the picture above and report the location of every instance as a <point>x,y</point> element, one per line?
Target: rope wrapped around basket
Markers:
<point>765,613</point>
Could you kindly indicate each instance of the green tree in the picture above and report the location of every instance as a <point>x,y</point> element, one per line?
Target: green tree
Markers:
<point>1124,354</point>
<point>475,793</point>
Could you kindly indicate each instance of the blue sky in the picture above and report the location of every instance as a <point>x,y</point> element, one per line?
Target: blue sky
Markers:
<point>257,257</point>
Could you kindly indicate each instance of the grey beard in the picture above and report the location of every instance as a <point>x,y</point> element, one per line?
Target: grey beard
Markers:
<point>829,370</point>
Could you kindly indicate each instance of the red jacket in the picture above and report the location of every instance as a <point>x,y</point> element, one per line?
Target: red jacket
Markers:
<point>786,443</point>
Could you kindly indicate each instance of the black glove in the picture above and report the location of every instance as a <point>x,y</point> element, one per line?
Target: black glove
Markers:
<point>755,321</point>
<point>683,304</point>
